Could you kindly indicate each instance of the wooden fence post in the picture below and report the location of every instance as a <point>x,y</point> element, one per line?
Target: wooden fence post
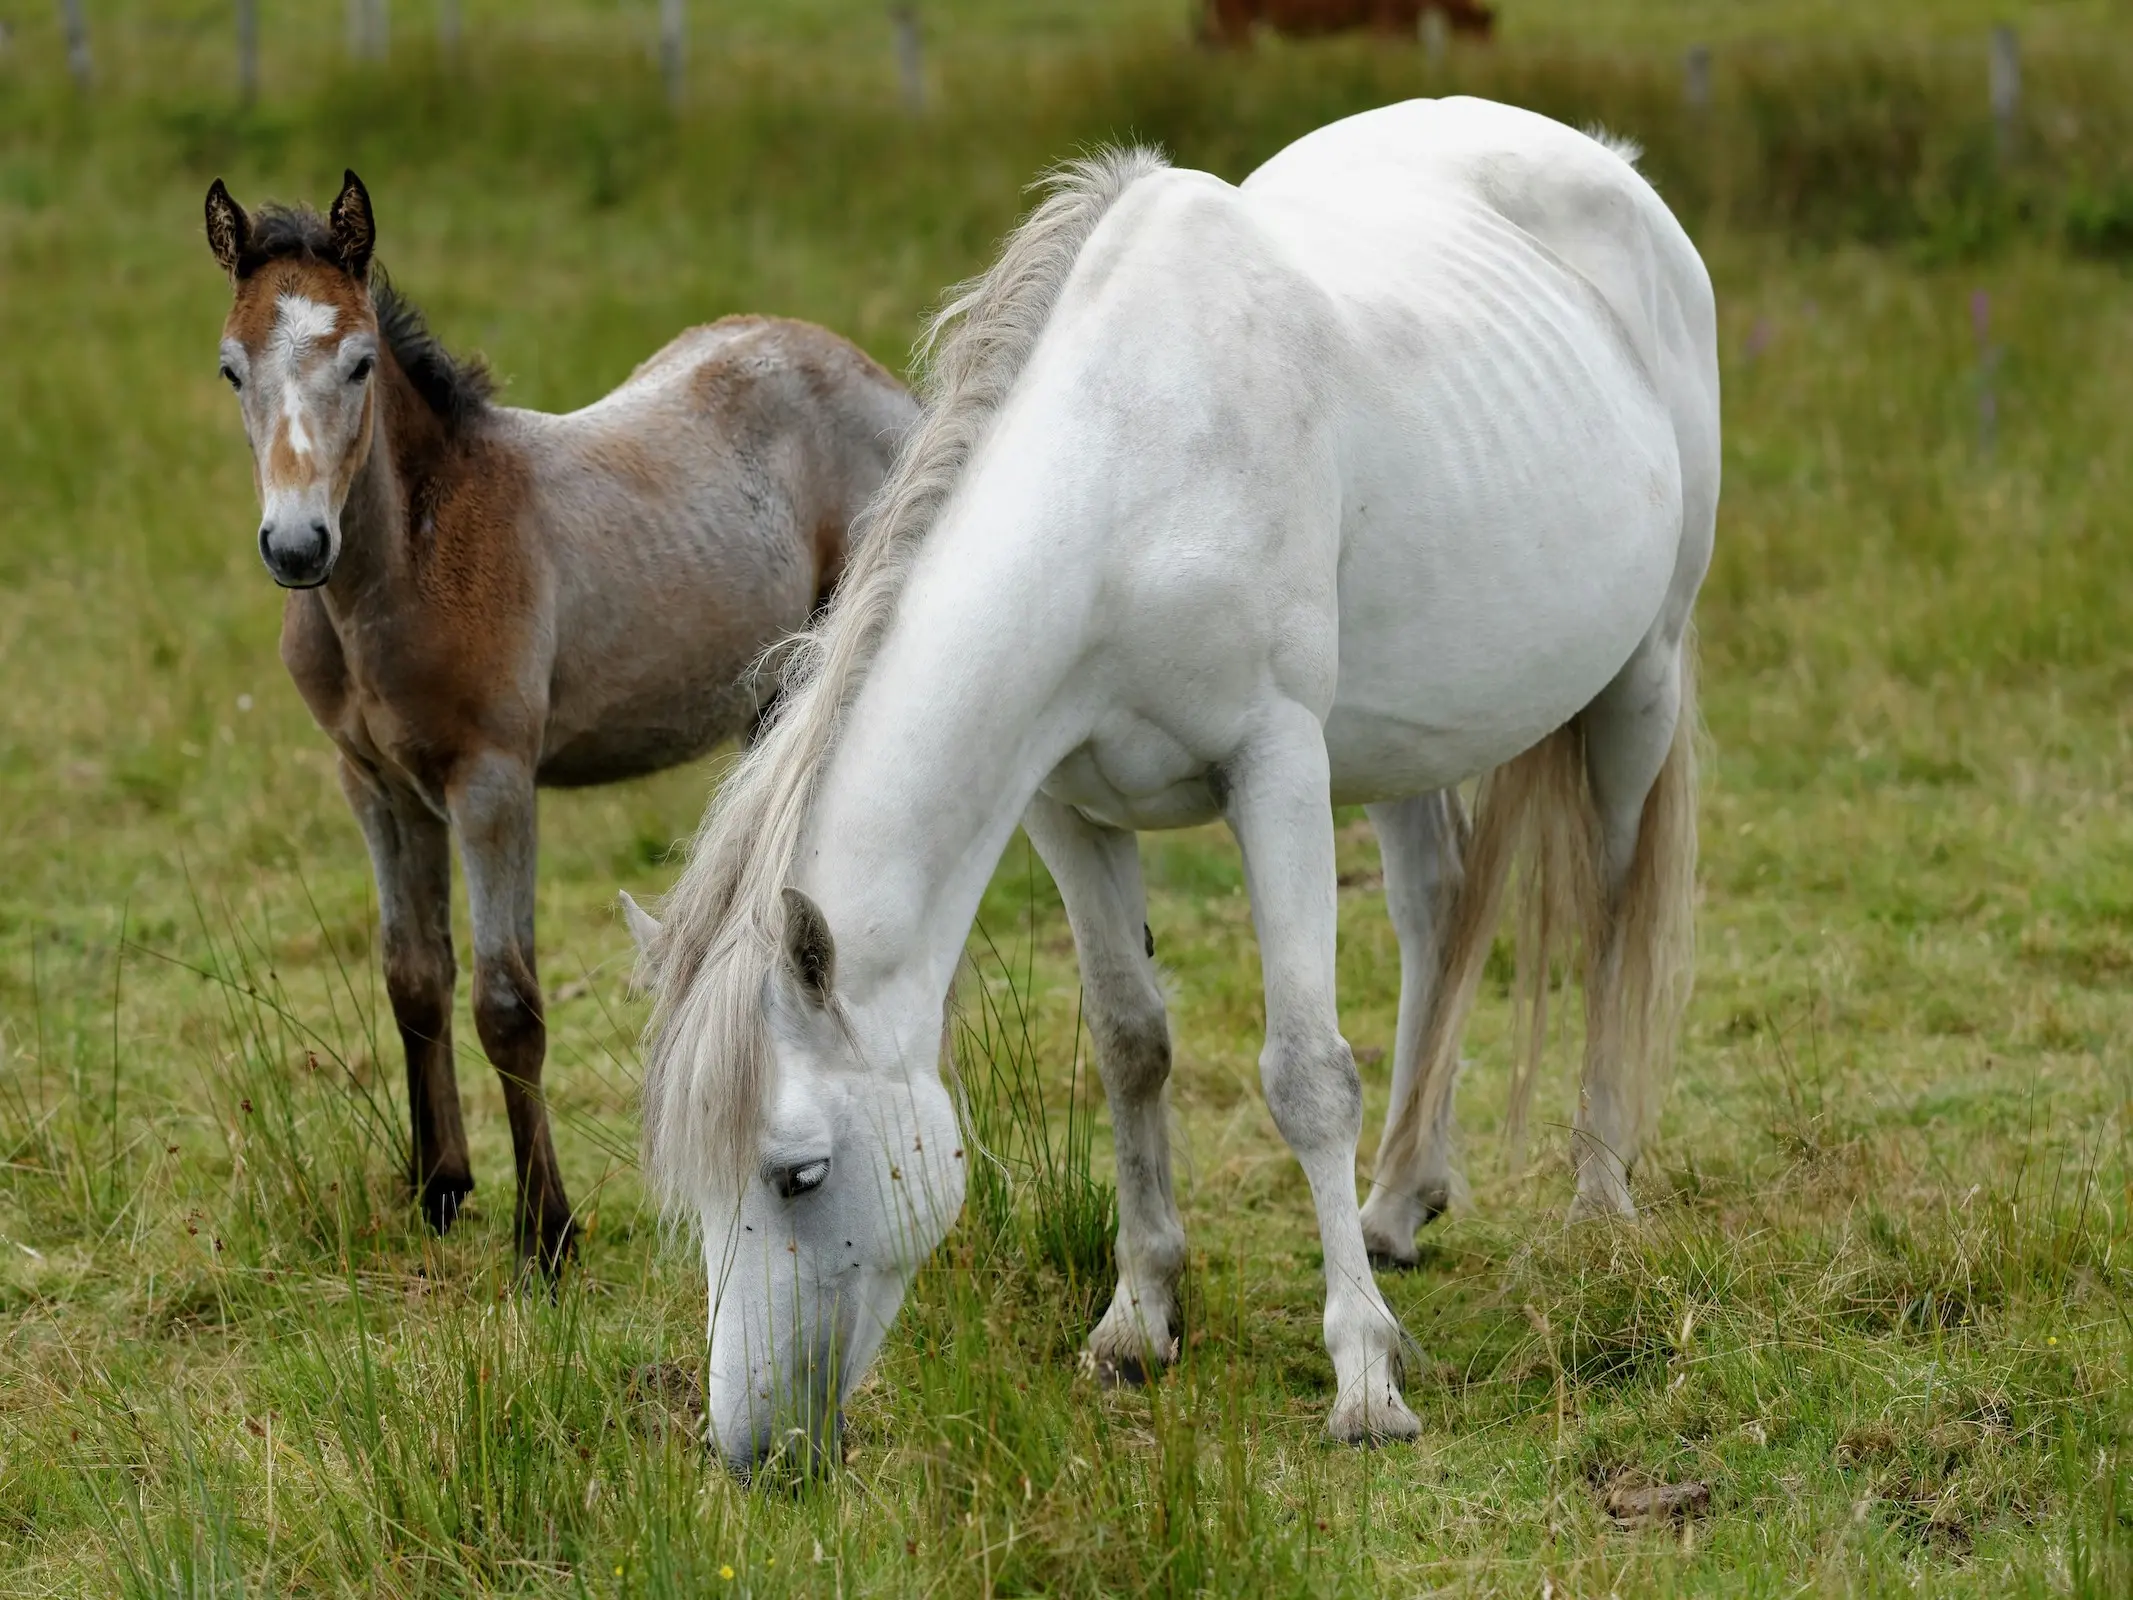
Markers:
<point>673,47</point>
<point>910,56</point>
<point>1696,77</point>
<point>2006,84</point>
<point>1436,36</point>
<point>77,30</point>
<point>369,30</point>
<point>247,51</point>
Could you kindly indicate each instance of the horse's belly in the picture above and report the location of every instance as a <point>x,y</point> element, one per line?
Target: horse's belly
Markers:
<point>1476,618</point>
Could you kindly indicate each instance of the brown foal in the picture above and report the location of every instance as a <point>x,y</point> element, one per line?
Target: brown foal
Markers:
<point>485,599</point>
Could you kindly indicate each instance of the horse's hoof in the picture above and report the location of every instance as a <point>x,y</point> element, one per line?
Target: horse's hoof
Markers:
<point>1609,1204</point>
<point>1372,1413</point>
<point>1127,1370</point>
<point>1391,1220</point>
<point>441,1197</point>
<point>552,1249</point>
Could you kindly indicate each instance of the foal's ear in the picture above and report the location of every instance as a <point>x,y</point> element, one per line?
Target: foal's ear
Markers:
<point>809,950</point>
<point>228,228</point>
<point>355,232</point>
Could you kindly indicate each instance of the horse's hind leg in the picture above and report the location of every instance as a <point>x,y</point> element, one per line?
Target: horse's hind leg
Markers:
<point>1419,843</point>
<point>411,857</point>
<point>1098,871</point>
<point>492,802</point>
<point>1639,760</point>
<point>1278,809</point>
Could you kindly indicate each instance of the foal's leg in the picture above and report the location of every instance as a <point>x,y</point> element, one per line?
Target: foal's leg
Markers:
<point>493,807</point>
<point>1419,842</point>
<point>1629,731</point>
<point>1278,809</point>
<point>411,857</point>
<point>1099,875</point>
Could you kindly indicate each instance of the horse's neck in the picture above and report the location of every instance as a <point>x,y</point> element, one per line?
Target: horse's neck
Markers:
<point>407,453</point>
<point>962,715</point>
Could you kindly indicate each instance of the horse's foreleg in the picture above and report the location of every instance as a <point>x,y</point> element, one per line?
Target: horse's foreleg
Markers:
<point>493,807</point>
<point>1278,809</point>
<point>1099,875</point>
<point>1419,844</point>
<point>411,858</point>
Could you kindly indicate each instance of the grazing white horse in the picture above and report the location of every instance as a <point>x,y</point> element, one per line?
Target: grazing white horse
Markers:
<point>1393,466</point>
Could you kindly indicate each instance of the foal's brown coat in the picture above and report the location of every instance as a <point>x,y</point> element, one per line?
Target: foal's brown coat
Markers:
<point>515,599</point>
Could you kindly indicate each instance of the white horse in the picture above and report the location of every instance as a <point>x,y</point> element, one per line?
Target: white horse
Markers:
<point>1393,466</point>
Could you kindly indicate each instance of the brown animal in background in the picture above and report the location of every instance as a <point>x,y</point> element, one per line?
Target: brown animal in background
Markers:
<point>1230,21</point>
<point>484,599</point>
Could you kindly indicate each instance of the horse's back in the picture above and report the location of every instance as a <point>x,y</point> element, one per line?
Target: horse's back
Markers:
<point>1577,196</point>
<point>1531,453</point>
<point>689,518</point>
<point>1444,427</point>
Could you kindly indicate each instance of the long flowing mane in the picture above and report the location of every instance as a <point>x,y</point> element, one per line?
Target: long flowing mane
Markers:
<point>707,1056</point>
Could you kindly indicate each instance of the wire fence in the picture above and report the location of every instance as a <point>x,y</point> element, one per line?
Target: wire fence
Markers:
<point>257,54</point>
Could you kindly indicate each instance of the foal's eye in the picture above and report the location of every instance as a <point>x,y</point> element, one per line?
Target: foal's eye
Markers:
<point>361,370</point>
<point>792,1182</point>
<point>229,376</point>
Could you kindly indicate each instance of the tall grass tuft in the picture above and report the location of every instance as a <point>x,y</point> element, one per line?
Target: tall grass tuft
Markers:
<point>1031,1182</point>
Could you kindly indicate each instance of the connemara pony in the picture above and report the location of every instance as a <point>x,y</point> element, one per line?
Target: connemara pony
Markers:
<point>1394,466</point>
<point>485,599</point>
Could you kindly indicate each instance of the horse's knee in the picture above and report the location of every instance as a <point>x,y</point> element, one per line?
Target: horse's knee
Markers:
<point>1313,1090</point>
<point>418,983</point>
<point>1133,1050</point>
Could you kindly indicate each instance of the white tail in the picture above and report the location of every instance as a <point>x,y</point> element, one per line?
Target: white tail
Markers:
<point>1634,954</point>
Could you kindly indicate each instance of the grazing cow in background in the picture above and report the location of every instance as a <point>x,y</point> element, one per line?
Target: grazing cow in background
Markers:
<point>1230,22</point>
<point>483,599</point>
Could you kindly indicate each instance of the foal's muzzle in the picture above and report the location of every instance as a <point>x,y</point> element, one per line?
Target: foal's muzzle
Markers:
<point>299,554</point>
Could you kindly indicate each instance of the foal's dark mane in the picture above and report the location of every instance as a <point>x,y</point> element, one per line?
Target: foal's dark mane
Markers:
<point>457,388</point>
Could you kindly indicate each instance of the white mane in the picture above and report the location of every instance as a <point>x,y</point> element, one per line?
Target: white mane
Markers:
<point>707,1056</point>
<point>1618,144</point>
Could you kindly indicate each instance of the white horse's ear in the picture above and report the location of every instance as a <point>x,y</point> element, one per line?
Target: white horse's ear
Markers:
<point>810,952</point>
<point>644,927</point>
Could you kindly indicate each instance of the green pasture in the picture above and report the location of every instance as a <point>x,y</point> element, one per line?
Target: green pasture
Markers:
<point>1878,1302</point>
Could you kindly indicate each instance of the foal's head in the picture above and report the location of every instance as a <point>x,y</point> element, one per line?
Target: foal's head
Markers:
<point>300,347</point>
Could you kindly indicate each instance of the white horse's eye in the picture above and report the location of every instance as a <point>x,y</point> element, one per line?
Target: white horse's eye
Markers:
<point>792,1182</point>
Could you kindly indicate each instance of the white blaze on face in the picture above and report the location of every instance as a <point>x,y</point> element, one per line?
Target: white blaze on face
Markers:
<point>299,323</point>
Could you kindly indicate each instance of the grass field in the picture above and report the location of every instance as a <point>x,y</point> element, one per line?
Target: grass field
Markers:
<point>1878,1304</point>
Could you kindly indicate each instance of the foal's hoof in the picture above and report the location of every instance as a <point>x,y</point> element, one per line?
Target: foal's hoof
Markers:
<point>549,1249</point>
<point>441,1197</point>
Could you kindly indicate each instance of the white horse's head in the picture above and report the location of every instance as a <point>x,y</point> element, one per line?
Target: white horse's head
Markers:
<point>858,1173</point>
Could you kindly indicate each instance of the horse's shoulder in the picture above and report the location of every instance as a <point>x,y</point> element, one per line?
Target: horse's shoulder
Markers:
<point>469,524</point>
